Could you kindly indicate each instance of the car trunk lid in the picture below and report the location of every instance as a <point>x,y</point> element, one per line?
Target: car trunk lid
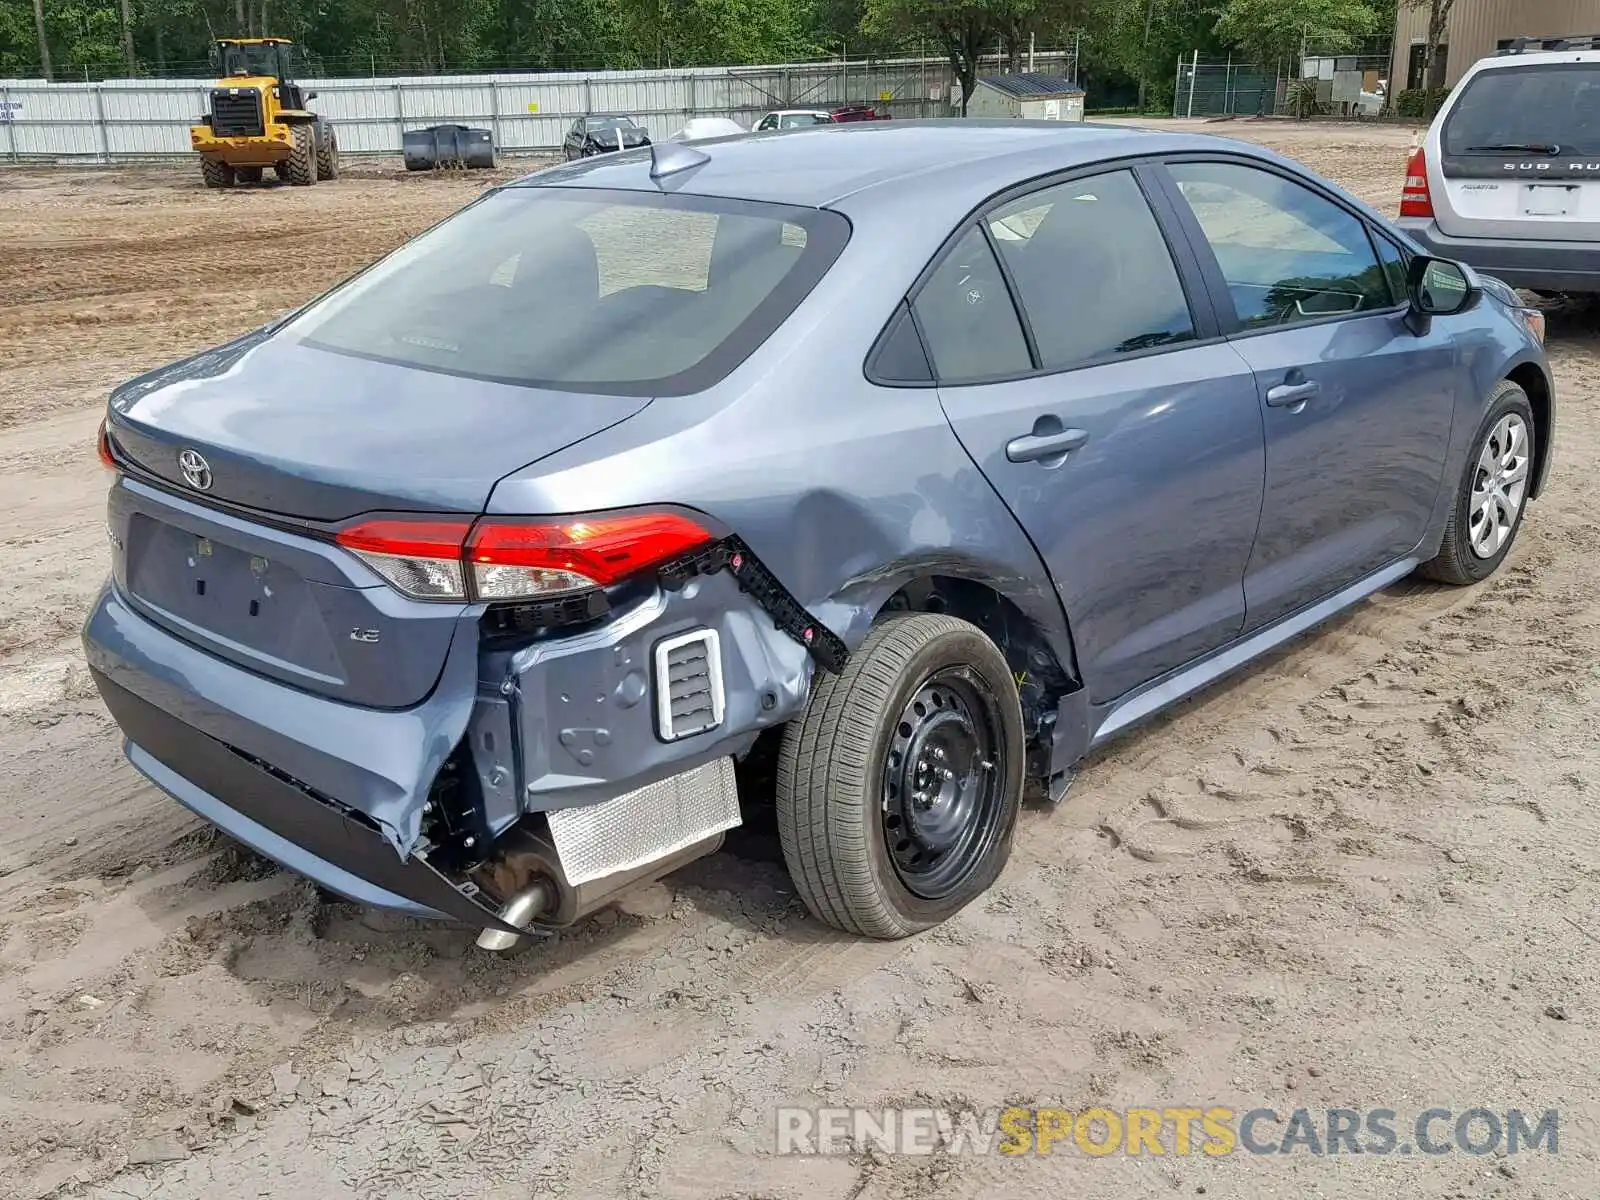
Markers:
<point>235,554</point>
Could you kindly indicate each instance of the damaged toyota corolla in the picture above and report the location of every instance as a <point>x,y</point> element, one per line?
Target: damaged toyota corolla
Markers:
<point>922,456</point>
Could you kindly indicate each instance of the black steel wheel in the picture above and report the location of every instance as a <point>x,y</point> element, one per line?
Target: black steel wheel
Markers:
<point>941,789</point>
<point>898,787</point>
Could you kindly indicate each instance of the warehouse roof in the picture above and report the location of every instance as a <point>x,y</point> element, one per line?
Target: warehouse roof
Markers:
<point>1028,85</point>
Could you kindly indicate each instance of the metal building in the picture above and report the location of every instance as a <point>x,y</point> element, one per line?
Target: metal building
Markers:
<point>1477,28</point>
<point>1032,97</point>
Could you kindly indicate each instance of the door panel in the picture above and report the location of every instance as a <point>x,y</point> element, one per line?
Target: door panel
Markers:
<point>1134,461</point>
<point>1357,409</point>
<point>1147,526</point>
<point>1353,470</point>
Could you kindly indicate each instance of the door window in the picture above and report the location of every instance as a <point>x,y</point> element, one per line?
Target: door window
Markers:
<point>1092,270</point>
<point>966,314</point>
<point>1287,254</point>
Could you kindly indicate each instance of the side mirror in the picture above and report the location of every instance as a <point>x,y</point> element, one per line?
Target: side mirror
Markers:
<point>311,96</point>
<point>1436,287</point>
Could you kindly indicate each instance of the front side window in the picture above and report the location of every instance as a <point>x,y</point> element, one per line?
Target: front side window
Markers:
<point>768,122</point>
<point>628,293</point>
<point>1287,254</point>
<point>1092,270</point>
<point>968,320</point>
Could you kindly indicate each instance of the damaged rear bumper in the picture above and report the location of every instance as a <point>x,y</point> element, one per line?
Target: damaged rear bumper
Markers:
<point>559,739</point>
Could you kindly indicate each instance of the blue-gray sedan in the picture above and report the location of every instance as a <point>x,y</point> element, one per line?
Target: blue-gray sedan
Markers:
<point>886,468</point>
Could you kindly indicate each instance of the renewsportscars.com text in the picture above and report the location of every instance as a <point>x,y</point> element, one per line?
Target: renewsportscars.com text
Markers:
<point>1177,1130</point>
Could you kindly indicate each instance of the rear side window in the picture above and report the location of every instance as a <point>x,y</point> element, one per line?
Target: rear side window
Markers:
<point>1527,109</point>
<point>967,317</point>
<point>1093,272</point>
<point>617,292</point>
<point>1287,254</point>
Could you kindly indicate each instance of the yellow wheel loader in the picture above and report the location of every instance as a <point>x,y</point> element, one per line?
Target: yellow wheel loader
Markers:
<point>259,118</point>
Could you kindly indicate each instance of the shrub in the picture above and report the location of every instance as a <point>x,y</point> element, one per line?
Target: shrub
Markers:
<point>1420,104</point>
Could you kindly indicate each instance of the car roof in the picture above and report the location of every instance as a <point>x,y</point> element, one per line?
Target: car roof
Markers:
<point>1535,58</point>
<point>823,164</point>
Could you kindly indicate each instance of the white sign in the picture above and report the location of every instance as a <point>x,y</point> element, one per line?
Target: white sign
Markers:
<point>9,109</point>
<point>1052,110</point>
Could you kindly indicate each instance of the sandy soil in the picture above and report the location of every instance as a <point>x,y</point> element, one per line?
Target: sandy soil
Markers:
<point>1365,873</point>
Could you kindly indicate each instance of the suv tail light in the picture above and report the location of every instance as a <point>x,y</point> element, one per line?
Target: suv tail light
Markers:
<point>1416,200</point>
<point>103,448</point>
<point>499,558</point>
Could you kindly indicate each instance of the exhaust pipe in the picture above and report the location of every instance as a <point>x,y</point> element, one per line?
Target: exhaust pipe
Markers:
<point>520,910</point>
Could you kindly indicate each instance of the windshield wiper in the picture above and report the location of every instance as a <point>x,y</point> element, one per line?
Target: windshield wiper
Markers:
<point>1516,148</point>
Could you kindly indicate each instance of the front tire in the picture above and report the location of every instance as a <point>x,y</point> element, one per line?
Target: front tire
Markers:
<point>328,154</point>
<point>216,174</point>
<point>898,788</point>
<point>301,165</point>
<point>1492,496</point>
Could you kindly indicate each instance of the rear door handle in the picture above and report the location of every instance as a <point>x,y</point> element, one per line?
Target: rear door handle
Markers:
<point>1288,395</point>
<point>1034,447</point>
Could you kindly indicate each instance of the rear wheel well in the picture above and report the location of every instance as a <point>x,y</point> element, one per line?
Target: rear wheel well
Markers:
<point>1041,678</point>
<point>1531,380</point>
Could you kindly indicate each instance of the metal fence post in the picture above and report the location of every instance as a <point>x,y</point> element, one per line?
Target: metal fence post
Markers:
<point>100,120</point>
<point>400,114</point>
<point>7,121</point>
<point>588,96</point>
<point>1194,70</point>
<point>1227,88</point>
<point>1177,85</point>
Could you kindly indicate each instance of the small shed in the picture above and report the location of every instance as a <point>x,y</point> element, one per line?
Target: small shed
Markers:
<point>1029,96</point>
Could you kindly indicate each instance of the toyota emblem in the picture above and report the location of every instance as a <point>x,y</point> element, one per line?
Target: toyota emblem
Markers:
<point>196,470</point>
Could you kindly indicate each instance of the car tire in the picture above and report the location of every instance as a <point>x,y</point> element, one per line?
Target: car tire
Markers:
<point>855,812</point>
<point>327,154</point>
<point>216,174</point>
<point>1492,495</point>
<point>301,164</point>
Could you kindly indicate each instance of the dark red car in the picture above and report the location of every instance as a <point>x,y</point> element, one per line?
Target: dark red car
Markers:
<point>858,112</point>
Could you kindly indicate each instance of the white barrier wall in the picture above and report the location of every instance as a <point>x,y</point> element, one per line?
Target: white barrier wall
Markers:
<point>150,118</point>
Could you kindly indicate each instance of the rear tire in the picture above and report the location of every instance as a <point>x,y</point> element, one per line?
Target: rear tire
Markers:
<point>301,165</point>
<point>247,174</point>
<point>879,839</point>
<point>328,154</point>
<point>1492,494</point>
<point>216,174</point>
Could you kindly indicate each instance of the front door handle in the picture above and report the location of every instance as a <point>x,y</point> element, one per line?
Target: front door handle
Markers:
<point>1035,447</point>
<point>1289,395</point>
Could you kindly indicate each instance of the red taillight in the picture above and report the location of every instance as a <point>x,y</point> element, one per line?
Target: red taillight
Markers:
<point>103,446</point>
<point>1416,200</point>
<point>517,559</point>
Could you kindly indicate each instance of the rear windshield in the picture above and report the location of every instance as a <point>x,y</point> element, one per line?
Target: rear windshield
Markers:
<point>1519,107</point>
<point>630,293</point>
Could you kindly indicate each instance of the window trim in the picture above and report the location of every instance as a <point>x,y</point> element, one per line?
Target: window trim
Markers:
<point>1186,262</point>
<point>1233,329</point>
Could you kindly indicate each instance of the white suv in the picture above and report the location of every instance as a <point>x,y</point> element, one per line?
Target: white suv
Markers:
<point>1508,176</point>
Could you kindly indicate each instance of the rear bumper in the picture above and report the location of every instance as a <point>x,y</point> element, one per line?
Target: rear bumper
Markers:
<point>290,825</point>
<point>1537,266</point>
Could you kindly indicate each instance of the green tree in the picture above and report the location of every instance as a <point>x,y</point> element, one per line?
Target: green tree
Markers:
<point>1271,31</point>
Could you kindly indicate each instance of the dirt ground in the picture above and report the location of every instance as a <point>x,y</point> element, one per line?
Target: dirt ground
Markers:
<point>1363,874</point>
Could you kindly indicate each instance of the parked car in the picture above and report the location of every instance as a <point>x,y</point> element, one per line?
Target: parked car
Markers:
<point>793,118</point>
<point>857,112</point>
<point>1507,177</point>
<point>601,135</point>
<point>463,589</point>
<point>697,129</point>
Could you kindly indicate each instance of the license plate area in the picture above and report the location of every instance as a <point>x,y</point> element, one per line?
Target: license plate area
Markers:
<point>245,600</point>
<point>1549,199</point>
